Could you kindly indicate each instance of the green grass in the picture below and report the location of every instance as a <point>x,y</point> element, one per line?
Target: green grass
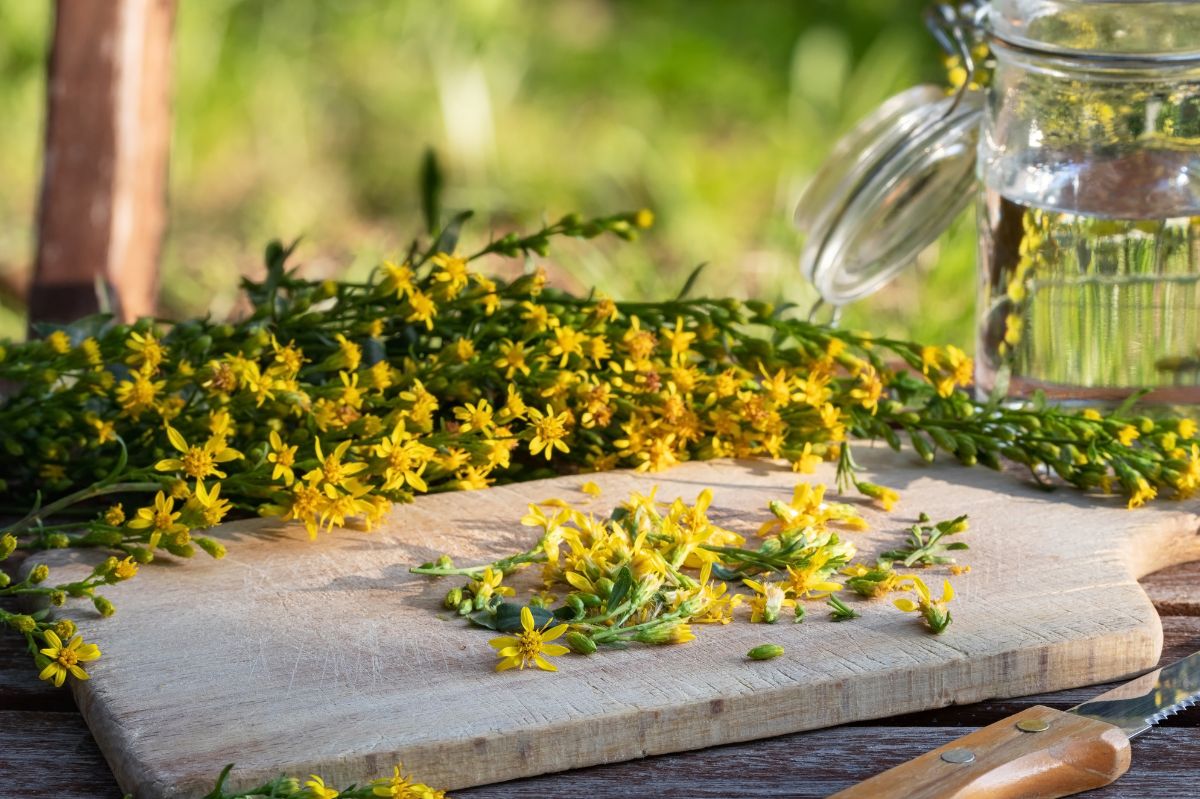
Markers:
<point>309,118</point>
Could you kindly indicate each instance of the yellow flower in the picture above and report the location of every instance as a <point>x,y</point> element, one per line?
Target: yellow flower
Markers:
<point>284,458</point>
<point>869,393</point>
<point>529,647</point>
<point>489,584</point>
<point>512,359</point>
<point>475,416</point>
<point>538,318</point>
<point>197,462</point>
<point>810,580</point>
<point>348,356</point>
<point>212,507</point>
<point>885,496</point>
<point>768,600</point>
<point>644,218</point>
<point>806,461</point>
<point>1127,435</point>
<point>115,515</point>
<point>333,473</point>
<point>679,339</point>
<point>147,352</point>
<point>65,659</point>
<point>59,341</point>
<point>397,279</point>
<point>934,611</point>
<point>317,788</point>
<point>398,785</point>
<point>1187,428</point>
<point>161,518</point>
<point>452,272</point>
<point>138,395</point>
<point>423,309</point>
<point>548,431</point>
<point>125,569</point>
<point>567,342</point>
<point>406,460</point>
<point>1142,493</point>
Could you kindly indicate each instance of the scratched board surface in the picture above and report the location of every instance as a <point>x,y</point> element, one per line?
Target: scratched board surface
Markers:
<point>294,656</point>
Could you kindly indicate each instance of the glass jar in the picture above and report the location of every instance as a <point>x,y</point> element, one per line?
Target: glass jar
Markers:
<point>1089,209</point>
<point>1083,151</point>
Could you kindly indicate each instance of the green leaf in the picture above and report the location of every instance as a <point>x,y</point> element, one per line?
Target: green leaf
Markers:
<point>620,588</point>
<point>690,283</point>
<point>447,239</point>
<point>507,617</point>
<point>218,791</point>
<point>431,190</point>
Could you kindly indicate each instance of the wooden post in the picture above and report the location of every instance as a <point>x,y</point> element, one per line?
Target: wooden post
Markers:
<point>102,210</point>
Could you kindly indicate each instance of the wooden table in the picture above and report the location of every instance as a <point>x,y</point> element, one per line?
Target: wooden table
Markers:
<point>47,751</point>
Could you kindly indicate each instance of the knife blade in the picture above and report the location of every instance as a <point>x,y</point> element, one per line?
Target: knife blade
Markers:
<point>1042,752</point>
<point>1139,704</point>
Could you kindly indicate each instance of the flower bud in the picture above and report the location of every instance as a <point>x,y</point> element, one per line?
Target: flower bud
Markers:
<point>580,643</point>
<point>58,598</point>
<point>454,598</point>
<point>39,573</point>
<point>465,607</point>
<point>64,629</point>
<point>103,606</point>
<point>577,607</point>
<point>668,633</point>
<point>765,652</point>
<point>22,623</point>
<point>8,543</point>
<point>214,548</point>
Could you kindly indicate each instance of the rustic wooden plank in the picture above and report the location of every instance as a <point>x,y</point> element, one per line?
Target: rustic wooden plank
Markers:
<point>102,210</point>
<point>1174,590</point>
<point>337,634</point>
<point>65,756</point>
<point>50,756</point>
<point>815,764</point>
<point>1181,637</point>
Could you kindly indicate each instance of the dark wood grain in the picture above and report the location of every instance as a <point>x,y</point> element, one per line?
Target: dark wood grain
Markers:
<point>1174,591</point>
<point>47,751</point>
<point>816,764</point>
<point>51,756</point>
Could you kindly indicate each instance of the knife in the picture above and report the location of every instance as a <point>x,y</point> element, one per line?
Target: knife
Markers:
<point>1042,752</point>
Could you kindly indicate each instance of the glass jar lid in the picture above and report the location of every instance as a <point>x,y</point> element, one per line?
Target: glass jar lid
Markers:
<point>888,190</point>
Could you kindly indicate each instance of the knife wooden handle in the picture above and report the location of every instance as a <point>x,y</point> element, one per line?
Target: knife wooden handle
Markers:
<point>1070,755</point>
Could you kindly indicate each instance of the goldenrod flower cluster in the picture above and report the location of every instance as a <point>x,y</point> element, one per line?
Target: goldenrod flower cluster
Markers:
<point>398,786</point>
<point>652,570</point>
<point>332,400</point>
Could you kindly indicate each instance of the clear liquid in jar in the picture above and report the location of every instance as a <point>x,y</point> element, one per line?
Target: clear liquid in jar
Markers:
<point>1087,308</point>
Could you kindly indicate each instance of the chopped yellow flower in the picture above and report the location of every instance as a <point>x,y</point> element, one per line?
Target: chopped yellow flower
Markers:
<point>933,611</point>
<point>317,789</point>
<point>590,488</point>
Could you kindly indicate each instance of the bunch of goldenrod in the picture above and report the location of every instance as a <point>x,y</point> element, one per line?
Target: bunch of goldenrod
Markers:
<point>653,569</point>
<point>331,400</point>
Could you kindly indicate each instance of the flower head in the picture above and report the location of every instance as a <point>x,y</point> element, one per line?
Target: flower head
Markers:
<point>65,658</point>
<point>530,646</point>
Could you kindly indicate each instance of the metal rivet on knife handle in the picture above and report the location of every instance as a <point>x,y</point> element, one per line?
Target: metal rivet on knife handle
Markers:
<point>1032,725</point>
<point>958,756</point>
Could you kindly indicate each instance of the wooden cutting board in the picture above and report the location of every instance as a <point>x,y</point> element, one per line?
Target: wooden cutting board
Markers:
<point>298,656</point>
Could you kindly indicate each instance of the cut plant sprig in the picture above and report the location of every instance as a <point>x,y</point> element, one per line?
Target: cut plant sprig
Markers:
<point>925,545</point>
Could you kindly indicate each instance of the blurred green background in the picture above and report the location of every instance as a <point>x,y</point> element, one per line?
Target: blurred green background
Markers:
<point>309,117</point>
